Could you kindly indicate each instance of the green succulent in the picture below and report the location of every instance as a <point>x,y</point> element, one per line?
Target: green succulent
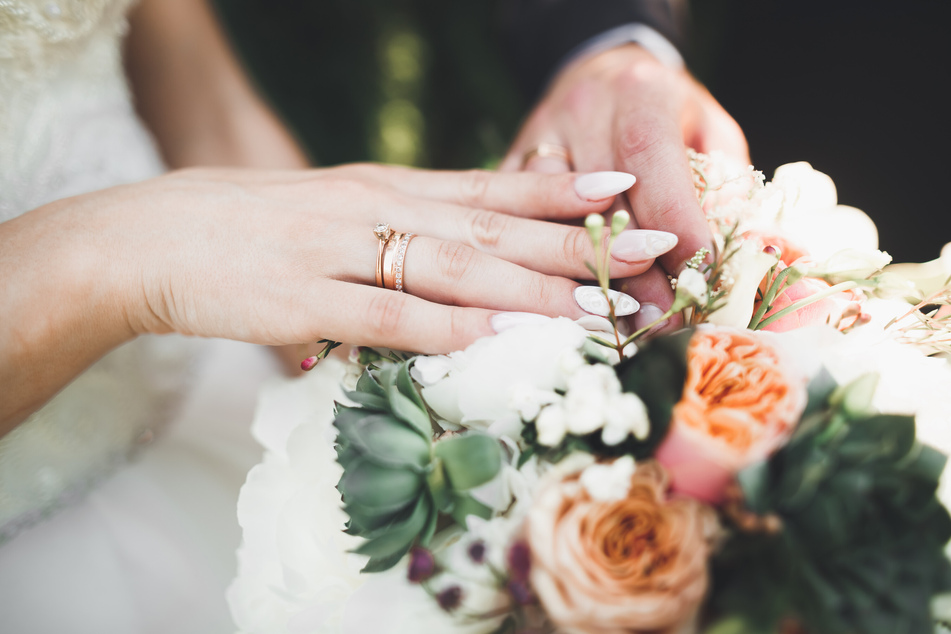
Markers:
<point>863,533</point>
<point>397,480</point>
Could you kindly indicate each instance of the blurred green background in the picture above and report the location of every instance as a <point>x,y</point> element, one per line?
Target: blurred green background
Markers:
<point>856,87</point>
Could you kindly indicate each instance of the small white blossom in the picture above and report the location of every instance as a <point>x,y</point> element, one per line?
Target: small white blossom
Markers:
<point>528,400</point>
<point>609,482</point>
<point>691,284</point>
<point>586,401</point>
<point>626,415</point>
<point>551,426</point>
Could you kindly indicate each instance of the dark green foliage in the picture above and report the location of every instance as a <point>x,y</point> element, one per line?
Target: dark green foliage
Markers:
<point>861,545</point>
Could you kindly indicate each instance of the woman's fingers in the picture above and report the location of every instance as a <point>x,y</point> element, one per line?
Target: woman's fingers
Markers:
<point>457,274</point>
<point>376,317</point>
<point>550,248</point>
<point>531,195</point>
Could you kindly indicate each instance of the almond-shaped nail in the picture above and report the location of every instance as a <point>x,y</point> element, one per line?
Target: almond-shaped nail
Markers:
<point>601,185</point>
<point>591,299</point>
<point>503,321</point>
<point>648,314</point>
<point>637,245</point>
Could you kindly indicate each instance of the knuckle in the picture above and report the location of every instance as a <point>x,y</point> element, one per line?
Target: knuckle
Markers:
<point>487,227</point>
<point>459,336</point>
<point>642,140</point>
<point>385,315</point>
<point>474,186</point>
<point>455,260</point>
<point>576,246</point>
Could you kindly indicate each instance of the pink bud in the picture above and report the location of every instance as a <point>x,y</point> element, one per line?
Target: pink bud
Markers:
<point>308,364</point>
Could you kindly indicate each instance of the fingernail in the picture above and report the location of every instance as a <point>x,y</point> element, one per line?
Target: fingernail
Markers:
<point>600,185</point>
<point>648,314</point>
<point>503,321</point>
<point>637,245</point>
<point>591,299</point>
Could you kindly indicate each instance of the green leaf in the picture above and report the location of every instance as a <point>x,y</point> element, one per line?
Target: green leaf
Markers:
<point>438,487</point>
<point>399,537</point>
<point>387,441</point>
<point>368,385</point>
<point>855,398</point>
<point>754,481</point>
<point>368,400</point>
<point>657,374</point>
<point>406,387</point>
<point>927,464</point>
<point>470,460</point>
<point>369,484</point>
<point>820,388</point>
<point>465,505</point>
<point>406,410</point>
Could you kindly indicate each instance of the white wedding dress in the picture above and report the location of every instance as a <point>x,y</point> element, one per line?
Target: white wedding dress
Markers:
<point>117,498</point>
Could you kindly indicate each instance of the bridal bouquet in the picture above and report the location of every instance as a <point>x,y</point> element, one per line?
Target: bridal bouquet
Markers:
<point>770,467</point>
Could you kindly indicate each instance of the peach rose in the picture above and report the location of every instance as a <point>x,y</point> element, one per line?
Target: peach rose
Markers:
<point>630,565</point>
<point>740,403</point>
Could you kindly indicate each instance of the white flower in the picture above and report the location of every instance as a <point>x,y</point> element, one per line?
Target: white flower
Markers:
<point>852,264</point>
<point>479,390</point>
<point>692,285</point>
<point>551,426</point>
<point>295,571</point>
<point>608,482</point>
<point>744,271</point>
<point>430,370</point>
<point>586,401</point>
<point>625,415</point>
<point>528,400</point>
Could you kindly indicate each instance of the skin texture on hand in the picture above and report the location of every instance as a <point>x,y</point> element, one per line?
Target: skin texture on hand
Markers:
<point>623,110</point>
<point>285,257</point>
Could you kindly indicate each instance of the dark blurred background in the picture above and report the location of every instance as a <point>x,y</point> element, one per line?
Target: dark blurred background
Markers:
<point>856,87</point>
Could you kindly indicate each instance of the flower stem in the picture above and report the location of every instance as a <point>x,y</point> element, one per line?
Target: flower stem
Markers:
<point>802,303</point>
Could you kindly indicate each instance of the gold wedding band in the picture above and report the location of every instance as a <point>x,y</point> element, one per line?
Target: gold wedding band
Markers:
<point>548,150</point>
<point>391,252</point>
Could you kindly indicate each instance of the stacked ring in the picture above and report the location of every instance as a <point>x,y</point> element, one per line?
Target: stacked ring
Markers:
<point>390,256</point>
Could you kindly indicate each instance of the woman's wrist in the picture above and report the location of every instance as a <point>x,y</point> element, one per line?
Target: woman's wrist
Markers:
<point>65,303</point>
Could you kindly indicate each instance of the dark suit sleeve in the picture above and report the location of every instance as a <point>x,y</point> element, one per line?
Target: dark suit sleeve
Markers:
<point>539,34</point>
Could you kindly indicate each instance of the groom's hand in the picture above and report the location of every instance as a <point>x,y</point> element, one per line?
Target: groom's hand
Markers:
<point>623,110</point>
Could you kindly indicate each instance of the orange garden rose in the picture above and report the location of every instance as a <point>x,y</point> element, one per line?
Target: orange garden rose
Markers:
<point>741,401</point>
<point>631,565</point>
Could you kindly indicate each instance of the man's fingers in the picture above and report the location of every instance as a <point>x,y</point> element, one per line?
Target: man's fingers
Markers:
<point>652,290</point>
<point>650,144</point>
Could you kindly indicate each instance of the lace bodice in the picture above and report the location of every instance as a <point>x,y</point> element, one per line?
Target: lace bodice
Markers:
<point>67,127</point>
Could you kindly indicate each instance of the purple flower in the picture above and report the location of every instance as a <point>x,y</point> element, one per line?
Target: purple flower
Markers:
<point>520,592</point>
<point>450,598</point>
<point>477,551</point>
<point>520,560</point>
<point>422,565</point>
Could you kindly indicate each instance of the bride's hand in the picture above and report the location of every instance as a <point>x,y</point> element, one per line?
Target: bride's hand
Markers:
<point>289,257</point>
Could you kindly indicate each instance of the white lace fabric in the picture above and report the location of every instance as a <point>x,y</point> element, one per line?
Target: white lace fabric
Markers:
<point>67,127</point>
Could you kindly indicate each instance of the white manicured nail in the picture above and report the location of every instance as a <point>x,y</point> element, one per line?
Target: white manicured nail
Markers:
<point>600,185</point>
<point>648,314</point>
<point>592,300</point>
<point>637,245</point>
<point>504,321</point>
